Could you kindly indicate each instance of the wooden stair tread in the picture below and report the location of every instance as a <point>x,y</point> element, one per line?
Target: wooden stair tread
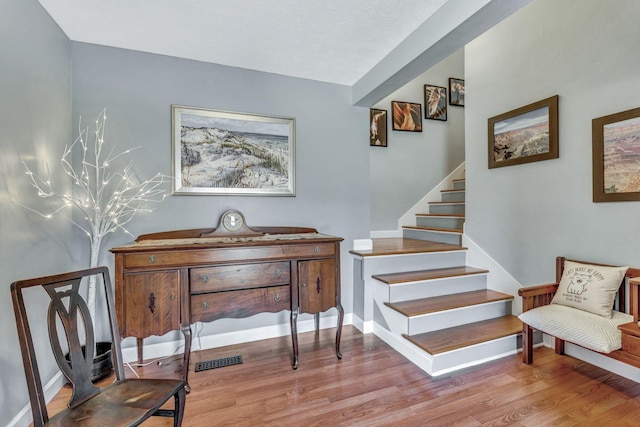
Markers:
<point>399,246</point>
<point>422,306</point>
<point>439,273</point>
<point>463,336</point>
<point>446,203</point>
<point>453,190</point>
<point>441,215</point>
<point>439,229</point>
<point>459,180</point>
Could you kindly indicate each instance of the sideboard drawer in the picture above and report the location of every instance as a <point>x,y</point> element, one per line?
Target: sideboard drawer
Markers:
<point>238,304</point>
<point>238,276</point>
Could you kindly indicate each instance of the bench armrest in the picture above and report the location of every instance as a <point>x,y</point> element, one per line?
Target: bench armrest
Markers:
<point>537,296</point>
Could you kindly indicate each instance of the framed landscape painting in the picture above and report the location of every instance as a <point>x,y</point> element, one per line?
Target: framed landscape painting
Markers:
<point>616,157</point>
<point>526,134</point>
<point>226,153</point>
<point>406,116</point>
<point>378,127</point>
<point>435,102</point>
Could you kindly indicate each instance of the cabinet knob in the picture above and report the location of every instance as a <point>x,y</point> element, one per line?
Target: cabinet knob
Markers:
<point>304,284</point>
<point>152,259</point>
<point>172,297</point>
<point>277,297</point>
<point>205,305</point>
<point>316,249</point>
<point>205,278</point>
<point>278,273</point>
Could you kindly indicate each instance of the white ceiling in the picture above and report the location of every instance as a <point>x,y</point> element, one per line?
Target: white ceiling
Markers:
<point>336,41</point>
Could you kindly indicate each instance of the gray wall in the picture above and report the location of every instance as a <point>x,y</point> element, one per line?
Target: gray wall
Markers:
<point>332,162</point>
<point>413,163</point>
<point>523,216</point>
<point>35,121</point>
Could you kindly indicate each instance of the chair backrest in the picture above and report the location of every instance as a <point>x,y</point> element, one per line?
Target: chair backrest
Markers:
<point>68,308</point>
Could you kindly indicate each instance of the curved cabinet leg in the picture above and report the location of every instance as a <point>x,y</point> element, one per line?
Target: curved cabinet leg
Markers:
<point>339,329</point>
<point>186,331</point>
<point>294,337</point>
<point>317,318</point>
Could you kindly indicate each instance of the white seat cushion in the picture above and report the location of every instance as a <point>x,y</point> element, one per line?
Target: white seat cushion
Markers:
<point>580,327</point>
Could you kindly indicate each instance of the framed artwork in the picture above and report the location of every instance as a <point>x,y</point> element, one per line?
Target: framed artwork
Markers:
<point>616,157</point>
<point>435,102</point>
<point>526,134</point>
<point>406,116</point>
<point>226,153</point>
<point>378,129</point>
<point>456,92</point>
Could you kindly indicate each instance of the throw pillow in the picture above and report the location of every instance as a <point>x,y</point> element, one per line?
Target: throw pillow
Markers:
<point>589,287</point>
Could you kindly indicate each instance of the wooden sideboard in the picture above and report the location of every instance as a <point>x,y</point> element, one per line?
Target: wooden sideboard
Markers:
<point>167,281</point>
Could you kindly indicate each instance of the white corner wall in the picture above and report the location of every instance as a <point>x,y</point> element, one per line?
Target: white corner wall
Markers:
<point>524,216</point>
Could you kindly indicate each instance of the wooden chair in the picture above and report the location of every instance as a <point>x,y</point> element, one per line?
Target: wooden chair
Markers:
<point>126,402</point>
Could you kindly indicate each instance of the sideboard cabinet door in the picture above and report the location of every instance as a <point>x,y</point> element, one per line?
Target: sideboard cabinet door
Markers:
<point>152,303</point>
<point>317,285</point>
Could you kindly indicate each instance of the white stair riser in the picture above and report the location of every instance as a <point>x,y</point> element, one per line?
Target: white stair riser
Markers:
<point>439,221</point>
<point>459,185</point>
<point>434,236</point>
<point>430,288</point>
<point>460,316</point>
<point>443,363</point>
<point>452,196</point>
<point>446,209</point>
<point>412,262</point>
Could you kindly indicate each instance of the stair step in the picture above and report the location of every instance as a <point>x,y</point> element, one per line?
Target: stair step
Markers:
<point>463,336</point>
<point>438,229</point>
<point>453,195</point>
<point>416,276</point>
<point>458,216</point>
<point>400,246</point>
<point>447,302</point>
<point>447,207</point>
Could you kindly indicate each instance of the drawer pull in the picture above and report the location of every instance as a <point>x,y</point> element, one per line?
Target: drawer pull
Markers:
<point>172,297</point>
<point>278,273</point>
<point>205,305</point>
<point>316,249</point>
<point>205,278</point>
<point>277,297</point>
<point>152,259</point>
<point>304,284</point>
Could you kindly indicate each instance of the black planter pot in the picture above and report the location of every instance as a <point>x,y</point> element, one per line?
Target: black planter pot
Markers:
<point>102,362</point>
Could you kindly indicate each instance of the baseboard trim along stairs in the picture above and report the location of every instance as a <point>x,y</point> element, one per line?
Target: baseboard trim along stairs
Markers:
<point>417,294</point>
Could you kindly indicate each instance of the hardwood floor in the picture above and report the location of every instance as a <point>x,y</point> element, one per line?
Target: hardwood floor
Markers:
<point>375,386</point>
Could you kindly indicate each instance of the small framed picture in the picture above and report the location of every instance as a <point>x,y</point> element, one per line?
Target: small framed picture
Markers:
<point>456,92</point>
<point>378,128</point>
<point>435,102</point>
<point>616,157</point>
<point>407,116</point>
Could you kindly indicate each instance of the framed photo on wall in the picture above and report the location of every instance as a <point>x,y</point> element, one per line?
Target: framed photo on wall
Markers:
<point>435,102</point>
<point>406,116</point>
<point>616,157</point>
<point>526,134</point>
<point>226,153</point>
<point>378,127</point>
<point>456,92</point>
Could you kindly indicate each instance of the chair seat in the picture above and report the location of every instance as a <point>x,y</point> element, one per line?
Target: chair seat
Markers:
<point>124,403</point>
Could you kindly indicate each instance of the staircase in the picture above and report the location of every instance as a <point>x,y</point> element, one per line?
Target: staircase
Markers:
<point>418,294</point>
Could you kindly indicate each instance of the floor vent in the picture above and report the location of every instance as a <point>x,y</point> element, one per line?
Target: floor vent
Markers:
<point>218,363</point>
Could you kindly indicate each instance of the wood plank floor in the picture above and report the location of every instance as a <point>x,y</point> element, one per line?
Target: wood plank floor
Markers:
<point>375,386</point>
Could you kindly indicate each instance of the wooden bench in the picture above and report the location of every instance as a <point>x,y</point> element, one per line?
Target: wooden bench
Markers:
<point>541,295</point>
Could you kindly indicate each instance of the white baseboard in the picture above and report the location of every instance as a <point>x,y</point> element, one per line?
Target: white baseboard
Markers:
<point>164,349</point>
<point>24,418</point>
